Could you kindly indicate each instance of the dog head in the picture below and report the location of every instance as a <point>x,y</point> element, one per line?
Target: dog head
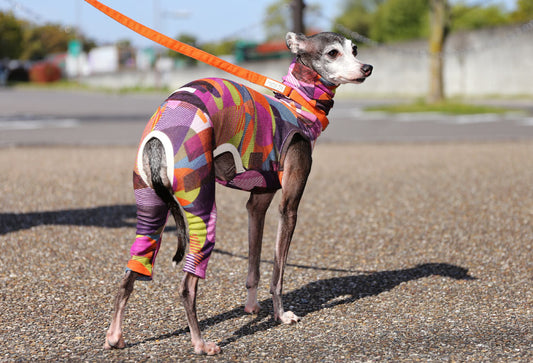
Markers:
<point>331,55</point>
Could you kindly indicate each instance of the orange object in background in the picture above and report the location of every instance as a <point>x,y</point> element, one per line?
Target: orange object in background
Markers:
<point>45,72</point>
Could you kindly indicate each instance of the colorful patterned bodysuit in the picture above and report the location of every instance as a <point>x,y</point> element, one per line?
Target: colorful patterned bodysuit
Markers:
<point>201,121</point>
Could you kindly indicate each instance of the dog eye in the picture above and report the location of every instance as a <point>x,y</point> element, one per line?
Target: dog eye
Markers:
<point>333,53</point>
<point>354,50</point>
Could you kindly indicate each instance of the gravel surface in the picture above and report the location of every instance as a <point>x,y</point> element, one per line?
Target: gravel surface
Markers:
<point>402,253</point>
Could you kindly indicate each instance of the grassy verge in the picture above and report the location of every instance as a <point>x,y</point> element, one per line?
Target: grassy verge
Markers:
<point>76,86</point>
<point>447,107</point>
<point>61,84</point>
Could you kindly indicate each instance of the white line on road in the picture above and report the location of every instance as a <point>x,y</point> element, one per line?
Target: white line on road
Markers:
<point>35,124</point>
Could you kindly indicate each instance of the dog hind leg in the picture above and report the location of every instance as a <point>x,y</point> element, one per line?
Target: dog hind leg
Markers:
<point>151,219</point>
<point>154,155</point>
<point>114,338</point>
<point>152,213</point>
<point>188,290</point>
<point>195,180</point>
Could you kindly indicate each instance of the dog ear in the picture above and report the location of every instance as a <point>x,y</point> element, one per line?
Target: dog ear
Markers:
<point>296,42</point>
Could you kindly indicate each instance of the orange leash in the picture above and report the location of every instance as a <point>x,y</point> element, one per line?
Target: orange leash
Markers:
<point>212,60</point>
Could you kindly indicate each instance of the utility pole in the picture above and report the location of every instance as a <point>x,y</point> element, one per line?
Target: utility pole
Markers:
<point>298,16</point>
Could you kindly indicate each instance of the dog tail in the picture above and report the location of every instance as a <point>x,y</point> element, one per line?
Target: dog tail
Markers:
<point>154,156</point>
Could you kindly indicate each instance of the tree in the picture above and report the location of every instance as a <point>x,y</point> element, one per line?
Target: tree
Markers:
<point>21,39</point>
<point>279,18</point>
<point>357,15</point>
<point>220,48</point>
<point>11,36</point>
<point>523,12</point>
<point>297,7</point>
<point>396,20</point>
<point>187,39</point>
<point>46,39</point>
<point>439,20</point>
<point>466,17</point>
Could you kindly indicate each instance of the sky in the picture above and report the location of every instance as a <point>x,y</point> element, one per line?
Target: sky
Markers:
<point>208,20</point>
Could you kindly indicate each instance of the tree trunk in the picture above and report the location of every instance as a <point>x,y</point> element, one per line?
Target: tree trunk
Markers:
<point>438,18</point>
<point>298,16</point>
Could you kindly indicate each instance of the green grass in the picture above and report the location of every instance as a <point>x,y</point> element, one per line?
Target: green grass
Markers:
<point>446,107</point>
<point>73,85</point>
<point>61,84</point>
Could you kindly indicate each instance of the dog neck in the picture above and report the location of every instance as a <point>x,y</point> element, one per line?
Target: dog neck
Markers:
<point>310,85</point>
<point>314,89</point>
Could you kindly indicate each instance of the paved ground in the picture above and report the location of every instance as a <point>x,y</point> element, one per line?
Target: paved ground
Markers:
<point>410,251</point>
<point>403,252</point>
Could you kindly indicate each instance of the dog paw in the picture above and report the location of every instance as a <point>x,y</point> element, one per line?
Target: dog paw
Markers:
<point>289,317</point>
<point>252,308</point>
<point>208,348</point>
<point>114,344</point>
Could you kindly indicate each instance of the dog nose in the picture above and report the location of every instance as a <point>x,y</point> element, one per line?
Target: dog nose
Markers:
<point>367,69</point>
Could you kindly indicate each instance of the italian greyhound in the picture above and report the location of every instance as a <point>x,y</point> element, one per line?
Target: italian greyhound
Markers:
<point>215,130</point>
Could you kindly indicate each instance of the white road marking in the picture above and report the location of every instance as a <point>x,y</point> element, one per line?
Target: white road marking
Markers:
<point>7,123</point>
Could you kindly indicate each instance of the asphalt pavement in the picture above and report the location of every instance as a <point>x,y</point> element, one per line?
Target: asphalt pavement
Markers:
<point>419,249</point>
<point>59,117</point>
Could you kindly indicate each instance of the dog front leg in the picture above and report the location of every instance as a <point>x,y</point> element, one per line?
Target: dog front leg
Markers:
<point>189,286</point>
<point>257,206</point>
<point>285,230</point>
<point>114,338</point>
<point>297,167</point>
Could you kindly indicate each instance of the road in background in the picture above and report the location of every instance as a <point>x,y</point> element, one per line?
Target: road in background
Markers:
<point>60,117</point>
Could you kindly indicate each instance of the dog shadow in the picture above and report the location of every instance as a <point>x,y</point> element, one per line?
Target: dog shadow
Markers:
<point>326,294</point>
<point>114,216</point>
